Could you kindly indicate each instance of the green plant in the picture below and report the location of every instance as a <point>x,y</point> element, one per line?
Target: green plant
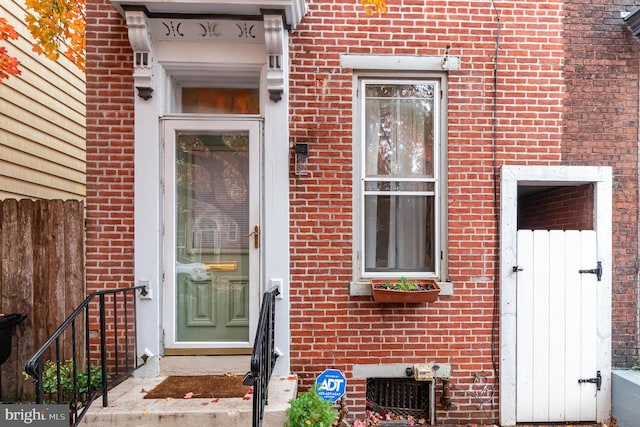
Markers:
<point>310,410</point>
<point>402,284</point>
<point>50,380</point>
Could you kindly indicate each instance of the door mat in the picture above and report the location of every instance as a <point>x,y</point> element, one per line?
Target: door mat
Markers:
<point>199,387</point>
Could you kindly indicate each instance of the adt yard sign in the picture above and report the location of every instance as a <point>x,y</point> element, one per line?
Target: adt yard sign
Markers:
<point>331,385</point>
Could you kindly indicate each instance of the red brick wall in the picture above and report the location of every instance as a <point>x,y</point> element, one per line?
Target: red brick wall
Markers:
<point>333,329</point>
<point>561,208</point>
<point>110,97</point>
<point>601,128</point>
<point>109,246</point>
<point>549,110</point>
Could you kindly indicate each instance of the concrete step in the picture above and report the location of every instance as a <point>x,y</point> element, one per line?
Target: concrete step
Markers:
<point>128,408</point>
<point>204,365</point>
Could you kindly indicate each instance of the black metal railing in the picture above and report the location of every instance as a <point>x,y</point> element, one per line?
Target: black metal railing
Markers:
<point>263,357</point>
<point>90,352</point>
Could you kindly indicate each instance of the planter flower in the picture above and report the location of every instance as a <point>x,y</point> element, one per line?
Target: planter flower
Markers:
<point>405,290</point>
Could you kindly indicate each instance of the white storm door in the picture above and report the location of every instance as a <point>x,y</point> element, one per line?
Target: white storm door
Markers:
<point>557,340</point>
<point>211,235</point>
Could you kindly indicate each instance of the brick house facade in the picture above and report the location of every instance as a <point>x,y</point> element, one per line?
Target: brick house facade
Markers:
<point>536,83</point>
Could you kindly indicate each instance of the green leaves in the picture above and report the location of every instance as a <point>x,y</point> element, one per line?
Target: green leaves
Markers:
<point>310,410</point>
<point>402,284</point>
<point>50,378</point>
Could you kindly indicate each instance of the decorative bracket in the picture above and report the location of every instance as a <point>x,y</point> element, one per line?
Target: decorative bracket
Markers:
<point>140,40</point>
<point>274,42</point>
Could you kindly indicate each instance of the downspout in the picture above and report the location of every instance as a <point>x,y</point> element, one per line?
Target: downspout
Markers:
<point>632,19</point>
<point>494,137</point>
<point>638,224</point>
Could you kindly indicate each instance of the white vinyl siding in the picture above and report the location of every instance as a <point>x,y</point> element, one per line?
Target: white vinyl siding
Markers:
<point>42,121</point>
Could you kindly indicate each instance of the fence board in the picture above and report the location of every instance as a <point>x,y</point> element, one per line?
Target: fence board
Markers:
<point>41,275</point>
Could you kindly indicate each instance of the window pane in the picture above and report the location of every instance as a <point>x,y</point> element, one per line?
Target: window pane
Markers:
<point>399,130</point>
<point>208,100</point>
<point>399,233</point>
<point>212,193</point>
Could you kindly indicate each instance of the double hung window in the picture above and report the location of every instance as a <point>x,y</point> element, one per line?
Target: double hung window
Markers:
<point>400,178</point>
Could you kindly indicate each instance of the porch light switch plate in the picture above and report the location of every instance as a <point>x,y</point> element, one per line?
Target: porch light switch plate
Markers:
<point>422,372</point>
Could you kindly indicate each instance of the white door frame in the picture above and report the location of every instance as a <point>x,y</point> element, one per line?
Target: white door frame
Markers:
<point>170,127</point>
<point>511,177</point>
<point>195,60</point>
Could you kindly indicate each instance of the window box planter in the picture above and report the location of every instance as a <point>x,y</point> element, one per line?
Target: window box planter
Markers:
<point>405,291</point>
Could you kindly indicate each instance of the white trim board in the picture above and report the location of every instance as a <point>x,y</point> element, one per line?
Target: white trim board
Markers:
<point>400,62</point>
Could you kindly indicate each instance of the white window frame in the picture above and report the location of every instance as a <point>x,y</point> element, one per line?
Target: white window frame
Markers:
<point>440,271</point>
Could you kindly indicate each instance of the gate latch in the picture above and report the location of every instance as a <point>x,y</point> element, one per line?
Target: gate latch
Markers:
<point>597,271</point>
<point>597,380</point>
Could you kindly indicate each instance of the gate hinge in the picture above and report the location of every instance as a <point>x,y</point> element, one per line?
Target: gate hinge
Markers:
<point>597,271</point>
<point>597,380</point>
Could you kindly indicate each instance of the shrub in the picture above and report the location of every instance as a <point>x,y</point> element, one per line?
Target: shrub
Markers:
<point>310,410</point>
<point>50,380</point>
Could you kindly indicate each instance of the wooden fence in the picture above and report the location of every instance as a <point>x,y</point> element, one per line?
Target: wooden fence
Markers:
<point>41,275</point>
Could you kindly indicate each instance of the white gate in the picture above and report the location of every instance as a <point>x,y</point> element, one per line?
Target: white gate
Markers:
<point>557,377</point>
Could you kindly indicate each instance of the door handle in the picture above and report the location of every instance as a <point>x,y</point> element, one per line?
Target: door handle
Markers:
<point>256,236</point>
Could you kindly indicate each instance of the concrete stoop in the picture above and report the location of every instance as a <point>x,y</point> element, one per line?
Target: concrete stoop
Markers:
<point>128,408</point>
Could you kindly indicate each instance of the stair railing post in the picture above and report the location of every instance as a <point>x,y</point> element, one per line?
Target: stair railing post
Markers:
<point>38,382</point>
<point>103,351</point>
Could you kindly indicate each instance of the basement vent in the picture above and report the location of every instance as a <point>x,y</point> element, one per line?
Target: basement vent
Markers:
<point>402,398</point>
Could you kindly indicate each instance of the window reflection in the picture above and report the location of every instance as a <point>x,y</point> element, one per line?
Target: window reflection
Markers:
<point>208,100</point>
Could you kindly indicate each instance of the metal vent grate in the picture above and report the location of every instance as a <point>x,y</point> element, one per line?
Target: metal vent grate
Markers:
<point>400,396</point>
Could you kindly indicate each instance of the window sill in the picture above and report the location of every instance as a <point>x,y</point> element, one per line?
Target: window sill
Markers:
<point>363,288</point>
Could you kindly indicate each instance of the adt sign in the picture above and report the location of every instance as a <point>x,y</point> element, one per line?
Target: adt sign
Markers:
<point>331,385</point>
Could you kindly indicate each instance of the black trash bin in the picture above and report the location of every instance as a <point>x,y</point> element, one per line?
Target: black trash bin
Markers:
<point>7,323</point>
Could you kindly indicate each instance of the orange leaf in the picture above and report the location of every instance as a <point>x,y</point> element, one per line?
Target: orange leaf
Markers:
<point>8,64</point>
<point>58,26</point>
<point>377,6</point>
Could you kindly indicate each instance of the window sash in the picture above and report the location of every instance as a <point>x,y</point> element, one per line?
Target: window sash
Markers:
<point>392,244</point>
<point>412,249</point>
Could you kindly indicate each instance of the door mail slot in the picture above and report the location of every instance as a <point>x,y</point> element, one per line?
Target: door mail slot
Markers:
<point>215,266</point>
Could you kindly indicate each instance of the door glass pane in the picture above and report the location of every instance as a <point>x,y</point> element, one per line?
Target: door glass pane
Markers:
<point>212,252</point>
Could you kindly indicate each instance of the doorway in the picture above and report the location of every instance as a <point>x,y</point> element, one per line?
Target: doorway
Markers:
<point>555,291</point>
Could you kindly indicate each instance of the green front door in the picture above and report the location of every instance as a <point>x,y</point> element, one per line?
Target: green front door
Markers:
<point>215,236</point>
